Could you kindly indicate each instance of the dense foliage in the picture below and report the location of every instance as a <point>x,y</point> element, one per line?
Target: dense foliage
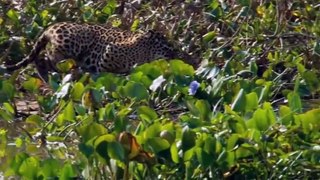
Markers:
<point>251,109</point>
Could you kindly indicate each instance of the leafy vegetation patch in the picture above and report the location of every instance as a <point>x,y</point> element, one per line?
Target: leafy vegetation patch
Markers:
<point>250,110</point>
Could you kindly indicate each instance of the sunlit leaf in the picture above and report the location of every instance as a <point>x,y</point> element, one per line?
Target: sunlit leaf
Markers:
<point>13,15</point>
<point>32,84</point>
<point>209,36</point>
<point>29,168</point>
<point>147,114</point>
<point>157,144</point>
<point>239,103</point>
<point>67,172</point>
<point>174,153</point>
<point>294,102</point>
<point>136,90</point>
<point>91,130</point>
<point>188,138</point>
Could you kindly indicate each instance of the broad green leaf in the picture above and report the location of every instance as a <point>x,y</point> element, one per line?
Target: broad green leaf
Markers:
<point>312,80</point>
<point>35,119</point>
<point>13,15</point>
<point>4,115</point>
<point>16,163</point>
<point>262,119</point>
<point>239,102</point>
<point>50,168</point>
<point>187,156</point>
<point>136,90</point>
<point>147,114</point>
<point>67,172</point>
<point>157,144</point>
<point>8,107</point>
<point>180,68</point>
<point>135,25</point>
<point>209,36</point>
<point>251,101</point>
<point>85,149</point>
<point>245,150</point>
<point>77,91</point>
<point>110,7</point>
<point>316,48</point>
<point>116,151</point>
<point>7,91</point>
<point>29,168</point>
<point>244,2</point>
<point>204,108</point>
<point>32,84</point>
<point>174,153</point>
<point>294,102</point>
<point>203,157</point>
<point>68,112</point>
<point>90,131</point>
<point>152,131</point>
<point>286,115</point>
<point>310,121</point>
<point>188,138</point>
<point>232,142</point>
<point>167,135</point>
<point>66,65</point>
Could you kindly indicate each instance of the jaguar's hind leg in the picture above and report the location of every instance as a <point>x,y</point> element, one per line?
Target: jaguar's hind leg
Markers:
<point>43,68</point>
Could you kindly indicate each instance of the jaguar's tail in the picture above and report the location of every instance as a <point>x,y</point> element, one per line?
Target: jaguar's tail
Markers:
<point>38,46</point>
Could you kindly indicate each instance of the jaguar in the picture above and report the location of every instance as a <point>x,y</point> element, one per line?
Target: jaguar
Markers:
<point>96,48</point>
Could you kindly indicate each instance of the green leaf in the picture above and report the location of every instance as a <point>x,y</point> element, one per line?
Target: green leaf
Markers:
<point>204,109</point>
<point>8,107</point>
<point>244,2</point>
<point>232,142</point>
<point>68,112</point>
<point>136,90</point>
<point>77,91</point>
<point>180,68</point>
<point>152,131</point>
<point>252,101</point>
<point>6,115</point>
<point>147,114</point>
<point>310,121</point>
<point>188,138</point>
<point>116,151</point>
<point>312,81</point>
<point>91,130</point>
<point>32,84</point>
<point>16,162</point>
<point>50,168</point>
<point>316,48</point>
<point>110,7</point>
<point>286,115</point>
<point>13,15</point>
<point>262,119</point>
<point>135,25</point>
<point>294,102</point>
<point>7,91</point>
<point>239,103</point>
<point>86,149</point>
<point>35,119</point>
<point>187,156</point>
<point>209,36</point>
<point>174,153</point>
<point>67,172</point>
<point>203,157</point>
<point>29,168</point>
<point>157,144</point>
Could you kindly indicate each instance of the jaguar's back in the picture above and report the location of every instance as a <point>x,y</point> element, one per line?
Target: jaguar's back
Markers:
<point>97,48</point>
